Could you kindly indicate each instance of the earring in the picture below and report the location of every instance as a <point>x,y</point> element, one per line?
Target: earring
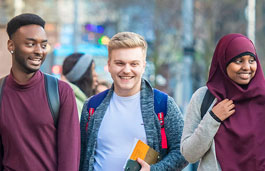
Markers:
<point>12,51</point>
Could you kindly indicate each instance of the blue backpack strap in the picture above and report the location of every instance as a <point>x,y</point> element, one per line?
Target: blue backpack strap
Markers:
<point>2,83</point>
<point>95,101</point>
<point>160,101</point>
<point>206,103</point>
<point>52,93</point>
<point>160,105</point>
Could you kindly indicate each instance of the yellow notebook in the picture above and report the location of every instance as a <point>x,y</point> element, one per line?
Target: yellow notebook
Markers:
<point>143,151</point>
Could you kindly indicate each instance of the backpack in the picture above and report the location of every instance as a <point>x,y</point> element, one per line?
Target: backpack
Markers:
<point>160,105</point>
<point>206,103</point>
<point>52,93</point>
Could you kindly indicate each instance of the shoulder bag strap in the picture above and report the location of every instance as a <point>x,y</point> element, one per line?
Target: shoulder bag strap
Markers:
<point>52,93</point>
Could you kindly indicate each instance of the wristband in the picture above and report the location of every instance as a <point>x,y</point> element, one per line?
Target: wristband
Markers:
<point>214,116</point>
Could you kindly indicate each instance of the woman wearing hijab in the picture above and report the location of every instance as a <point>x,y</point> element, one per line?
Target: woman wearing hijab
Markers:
<point>230,136</point>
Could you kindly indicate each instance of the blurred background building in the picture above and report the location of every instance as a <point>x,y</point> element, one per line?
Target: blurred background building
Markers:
<point>181,34</point>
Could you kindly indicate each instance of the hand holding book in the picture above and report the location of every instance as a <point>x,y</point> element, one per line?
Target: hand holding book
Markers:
<point>142,151</point>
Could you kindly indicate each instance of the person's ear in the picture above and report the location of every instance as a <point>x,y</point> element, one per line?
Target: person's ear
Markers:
<point>108,62</point>
<point>10,46</point>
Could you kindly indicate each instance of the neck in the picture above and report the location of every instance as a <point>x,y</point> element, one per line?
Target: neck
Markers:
<point>126,92</point>
<point>21,78</point>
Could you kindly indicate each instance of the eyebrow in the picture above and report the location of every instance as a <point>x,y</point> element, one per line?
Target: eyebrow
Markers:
<point>31,39</point>
<point>136,61</point>
<point>126,62</point>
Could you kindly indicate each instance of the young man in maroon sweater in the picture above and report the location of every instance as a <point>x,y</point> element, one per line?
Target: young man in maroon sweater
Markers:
<point>30,140</point>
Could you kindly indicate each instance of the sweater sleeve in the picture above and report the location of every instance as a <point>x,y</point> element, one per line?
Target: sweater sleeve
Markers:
<point>83,123</point>
<point>198,133</point>
<point>68,130</point>
<point>173,128</point>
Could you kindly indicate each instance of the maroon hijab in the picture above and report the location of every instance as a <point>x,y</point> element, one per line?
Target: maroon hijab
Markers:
<point>240,140</point>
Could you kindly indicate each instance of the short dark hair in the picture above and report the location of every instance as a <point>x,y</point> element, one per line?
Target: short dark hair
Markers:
<point>22,20</point>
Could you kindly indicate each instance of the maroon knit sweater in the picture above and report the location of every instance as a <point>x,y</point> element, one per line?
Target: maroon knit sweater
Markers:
<point>30,141</point>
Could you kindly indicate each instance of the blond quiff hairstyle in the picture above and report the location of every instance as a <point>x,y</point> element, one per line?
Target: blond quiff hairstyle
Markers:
<point>127,40</point>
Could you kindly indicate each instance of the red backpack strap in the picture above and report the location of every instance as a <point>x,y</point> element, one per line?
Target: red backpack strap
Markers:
<point>90,113</point>
<point>162,130</point>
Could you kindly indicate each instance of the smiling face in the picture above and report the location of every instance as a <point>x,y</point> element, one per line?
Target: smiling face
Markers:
<point>242,69</point>
<point>126,66</point>
<point>29,46</point>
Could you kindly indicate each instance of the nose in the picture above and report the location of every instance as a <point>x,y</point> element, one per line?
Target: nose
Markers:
<point>38,50</point>
<point>246,65</point>
<point>127,68</point>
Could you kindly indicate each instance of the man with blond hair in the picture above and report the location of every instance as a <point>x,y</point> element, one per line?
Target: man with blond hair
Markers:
<point>127,112</point>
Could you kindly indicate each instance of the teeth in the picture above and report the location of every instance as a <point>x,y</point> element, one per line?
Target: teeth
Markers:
<point>126,78</point>
<point>245,75</point>
<point>35,59</point>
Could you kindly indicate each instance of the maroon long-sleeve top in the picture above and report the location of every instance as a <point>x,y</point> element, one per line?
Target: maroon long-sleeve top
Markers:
<point>30,140</point>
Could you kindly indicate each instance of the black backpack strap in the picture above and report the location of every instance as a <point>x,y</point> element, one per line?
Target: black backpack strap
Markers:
<point>2,82</point>
<point>52,93</point>
<point>206,103</point>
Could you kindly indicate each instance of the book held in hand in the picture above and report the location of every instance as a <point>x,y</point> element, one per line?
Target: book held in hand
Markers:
<point>143,151</point>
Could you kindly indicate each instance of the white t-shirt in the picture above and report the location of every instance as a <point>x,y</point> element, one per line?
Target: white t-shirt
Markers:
<point>121,124</point>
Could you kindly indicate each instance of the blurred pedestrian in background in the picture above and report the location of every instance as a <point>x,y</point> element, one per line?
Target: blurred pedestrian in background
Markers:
<point>102,86</point>
<point>79,71</point>
<point>230,136</point>
<point>34,135</point>
<point>127,112</point>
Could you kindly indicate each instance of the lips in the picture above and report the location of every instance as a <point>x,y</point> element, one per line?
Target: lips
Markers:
<point>244,75</point>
